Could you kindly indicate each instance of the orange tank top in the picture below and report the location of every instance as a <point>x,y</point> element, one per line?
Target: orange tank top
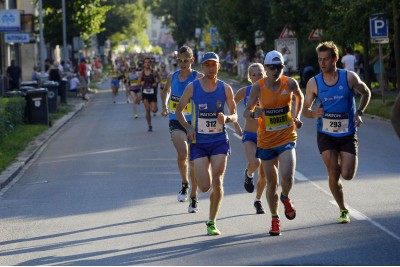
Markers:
<point>276,128</point>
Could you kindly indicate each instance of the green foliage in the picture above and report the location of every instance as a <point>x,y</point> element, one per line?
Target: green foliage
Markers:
<point>12,112</point>
<point>83,18</point>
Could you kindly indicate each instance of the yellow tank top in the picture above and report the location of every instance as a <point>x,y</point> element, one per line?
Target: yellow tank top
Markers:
<point>277,127</point>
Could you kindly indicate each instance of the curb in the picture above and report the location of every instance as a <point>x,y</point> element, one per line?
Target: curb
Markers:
<point>35,146</point>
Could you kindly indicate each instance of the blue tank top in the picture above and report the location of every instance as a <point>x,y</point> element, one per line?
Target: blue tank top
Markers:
<point>339,106</point>
<point>204,114</point>
<point>177,88</point>
<point>248,89</point>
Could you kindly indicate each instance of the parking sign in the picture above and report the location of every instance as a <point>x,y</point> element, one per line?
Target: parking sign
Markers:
<point>379,30</point>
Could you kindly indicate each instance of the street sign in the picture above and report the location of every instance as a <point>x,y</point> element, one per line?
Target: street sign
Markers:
<point>10,20</point>
<point>315,34</point>
<point>17,38</point>
<point>286,33</point>
<point>379,30</point>
<point>291,47</point>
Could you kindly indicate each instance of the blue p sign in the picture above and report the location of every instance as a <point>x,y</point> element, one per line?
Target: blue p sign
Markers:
<point>379,27</point>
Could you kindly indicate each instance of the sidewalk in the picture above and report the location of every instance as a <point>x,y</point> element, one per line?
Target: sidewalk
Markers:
<point>39,143</point>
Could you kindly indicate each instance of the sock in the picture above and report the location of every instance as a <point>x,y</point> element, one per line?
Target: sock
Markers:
<point>283,196</point>
<point>251,176</point>
<point>275,215</point>
<point>185,185</point>
<point>256,199</point>
<point>210,221</point>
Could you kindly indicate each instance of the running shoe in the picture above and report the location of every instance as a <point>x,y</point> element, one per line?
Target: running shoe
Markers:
<point>344,217</point>
<point>212,229</point>
<point>290,211</point>
<point>136,116</point>
<point>248,182</point>
<point>275,227</point>
<point>150,128</point>
<point>183,194</point>
<point>193,205</point>
<point>259,208</point>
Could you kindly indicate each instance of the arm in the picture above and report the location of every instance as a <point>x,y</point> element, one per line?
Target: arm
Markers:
<point>187,95</point>
<point>248,114</point>
<point>239,96</point>
<point>362,88</point>
<point>230,102</point>
<point>311,94</point>
<point>298,94</point>
<point>165,96</point>
<point>395,119</point>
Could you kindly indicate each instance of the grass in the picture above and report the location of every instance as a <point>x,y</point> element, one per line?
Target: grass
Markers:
<point>16,141</point>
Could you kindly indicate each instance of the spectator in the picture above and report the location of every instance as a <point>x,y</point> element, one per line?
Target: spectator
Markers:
<point>14,76</point>
<point>348,60</point>
<point>359,66</point>
<point>74,84</point>
<point>54,72</point>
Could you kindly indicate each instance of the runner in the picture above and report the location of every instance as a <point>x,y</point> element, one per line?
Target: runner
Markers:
<point>116,76</point>
<point>337,119</point>
<point>134,88</point>
<point>209,145</point>
<point>149,79</point>
<point>173,90</point>
<point>249,139</point>
<point>276,132</point>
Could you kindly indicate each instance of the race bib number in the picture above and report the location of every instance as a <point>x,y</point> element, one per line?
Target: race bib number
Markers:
<point>148,91</point>
<point>335,123</point>
<point>173,103</point>
<point>208,123</point>
<point>278,118</point>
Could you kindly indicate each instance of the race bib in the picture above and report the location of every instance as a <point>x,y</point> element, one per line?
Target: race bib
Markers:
<point>148,91</point>
<point>173,103</point>
<point>278,118</point>
<point>207,123</point>
<point>335,123</point>
<point>134,82</point>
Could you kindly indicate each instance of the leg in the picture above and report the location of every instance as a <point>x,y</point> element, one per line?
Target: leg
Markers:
<point>218,165</point>
<point>133,95</point>
<point>271,172</point>
<point>287,161</point>
<point>261,183</point>
<point>203,176</point>
<point>330,158</point>
<point>348,165</point>
<point>179,140</point>
<point>253,162</point>
<point>147,107</point>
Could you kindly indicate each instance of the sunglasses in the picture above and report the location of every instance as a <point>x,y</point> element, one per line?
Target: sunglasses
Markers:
<point>275,67</point>
<point>184,60</point>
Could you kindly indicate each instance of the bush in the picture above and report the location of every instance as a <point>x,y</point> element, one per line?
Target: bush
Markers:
<point>12,111</point>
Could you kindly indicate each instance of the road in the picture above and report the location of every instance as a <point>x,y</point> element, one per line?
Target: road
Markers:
<point>103,192</point>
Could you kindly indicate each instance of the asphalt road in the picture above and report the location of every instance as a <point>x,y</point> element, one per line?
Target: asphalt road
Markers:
<point>103,191</point>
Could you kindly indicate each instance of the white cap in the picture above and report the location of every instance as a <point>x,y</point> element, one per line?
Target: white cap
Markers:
<point>274,58</point>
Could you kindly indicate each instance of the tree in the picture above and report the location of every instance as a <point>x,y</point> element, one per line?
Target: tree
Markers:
<point>84,18</point>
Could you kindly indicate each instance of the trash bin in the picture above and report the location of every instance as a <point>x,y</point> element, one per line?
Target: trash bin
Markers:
<point>15,93</point>
<point>37,106</point>
<point>33,84</point>
<point>52,95</point>
<point>62,90</point>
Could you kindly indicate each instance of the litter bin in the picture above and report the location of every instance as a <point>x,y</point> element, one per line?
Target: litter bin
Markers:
<point>62,90</point>
<point>33,84</point>
<point>37,106</point>
<point>52,95</point>
<point>15,93</point>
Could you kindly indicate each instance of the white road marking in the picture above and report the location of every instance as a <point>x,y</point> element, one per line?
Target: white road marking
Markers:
<point>353,212</point>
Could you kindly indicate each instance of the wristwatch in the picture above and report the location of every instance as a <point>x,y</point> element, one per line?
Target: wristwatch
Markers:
<point>360,112</point>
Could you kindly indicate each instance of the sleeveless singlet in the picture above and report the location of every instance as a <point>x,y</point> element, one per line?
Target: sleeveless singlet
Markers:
<point>276,128</point>
<point>177,89</point>
<point>148,81</point>
<point>205,107</point>
<point>339,106</point>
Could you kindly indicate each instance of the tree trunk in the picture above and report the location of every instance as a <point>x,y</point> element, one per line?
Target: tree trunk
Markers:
<point>396,21</point>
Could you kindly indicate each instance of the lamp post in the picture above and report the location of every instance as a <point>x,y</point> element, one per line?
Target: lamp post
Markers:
<point>64,57</point>
<point>42,48</point>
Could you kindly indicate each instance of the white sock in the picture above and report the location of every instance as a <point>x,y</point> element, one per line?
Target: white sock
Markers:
<point>251,176</point>
<point>256,199</point>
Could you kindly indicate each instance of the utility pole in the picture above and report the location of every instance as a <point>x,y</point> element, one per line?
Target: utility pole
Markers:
<point>65,56</point>
<point>42,48</point>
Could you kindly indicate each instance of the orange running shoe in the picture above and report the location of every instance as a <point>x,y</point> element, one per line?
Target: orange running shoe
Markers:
<point>275,227</point>
<point>290,211</point>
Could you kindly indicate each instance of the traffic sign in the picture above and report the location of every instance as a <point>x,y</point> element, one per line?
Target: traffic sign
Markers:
<point>286,33</point>
<point>315,34</point>
<point>379,30</point>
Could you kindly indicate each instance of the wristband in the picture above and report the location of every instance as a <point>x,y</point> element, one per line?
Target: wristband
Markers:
<point>189,129</point>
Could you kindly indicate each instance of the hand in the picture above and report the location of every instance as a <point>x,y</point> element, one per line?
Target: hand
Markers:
<point>238,130</point>
<point>221,118</point>
<point>319,111</point>
<point>258,112</point>
<point>298,123</point>
<point>358,120</point>
<point>191,134</point>
<point>164,112</point>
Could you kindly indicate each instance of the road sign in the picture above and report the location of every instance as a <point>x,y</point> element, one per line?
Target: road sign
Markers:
<point>286,33</point>
<point>17,38</point>
<point>291,47</point>
<point>10,20</point>
<point>379,30</point>
<point>315,34</point>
